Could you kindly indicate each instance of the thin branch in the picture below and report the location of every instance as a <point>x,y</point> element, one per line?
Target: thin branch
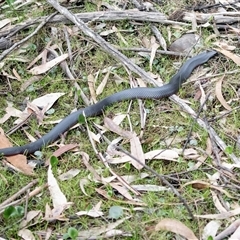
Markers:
<point>99,16</point>
<point>104,44</point>
<point>15,45</point>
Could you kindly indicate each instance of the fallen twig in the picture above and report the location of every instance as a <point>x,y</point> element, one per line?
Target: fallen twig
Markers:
<point>179,54</point>
<point>36,191</point>
<point>17,194</point>
<point>104,44</point>
<point>15,45</point>
<point>100,16</point>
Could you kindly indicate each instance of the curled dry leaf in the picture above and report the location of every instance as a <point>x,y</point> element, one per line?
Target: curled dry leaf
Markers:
<point>82,183</point>
<point>177,227</point>
<point>198,184</point>
<point>218,91</point>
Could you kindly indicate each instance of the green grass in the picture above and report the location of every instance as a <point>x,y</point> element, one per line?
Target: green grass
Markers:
<point>163,117</point>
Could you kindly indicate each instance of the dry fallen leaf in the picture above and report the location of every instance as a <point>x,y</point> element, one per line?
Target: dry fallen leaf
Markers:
<point>13,112</point>
<point>198,184</point>
<point>103,83</point>
<point>95,232</point>
<point>177,227</point>
<point>19,161</point>
<point>26,234</point>
<point>44,103</point>
<point>82,183</point>
<point>218,91</point>
<point>210,229</point>
<point>58,198</point>
<point>94,212</point>
<point>47,66</point>
<point>150,188</point>
<point>230,55</point>
<point>122,190</point>
<point>136,147</point>
<point>31,215</point>
<point>154,47</point>
<point>69,174</point>
<point>91,85</point>
<point>224,215</point>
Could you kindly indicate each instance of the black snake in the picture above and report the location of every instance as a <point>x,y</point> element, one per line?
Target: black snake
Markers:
<point>96,109</point>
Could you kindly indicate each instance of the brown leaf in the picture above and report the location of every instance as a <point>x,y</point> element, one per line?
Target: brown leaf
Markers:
<point>136,147</point>
<point>230,55</point>
<point>122,190</point>
<point>198,184</point>
<point>19,161</point>
<point>113,127</point>
<point>218,91</point>
<point>154,47</point>
<point>137,152</point>
<point>177,227</point>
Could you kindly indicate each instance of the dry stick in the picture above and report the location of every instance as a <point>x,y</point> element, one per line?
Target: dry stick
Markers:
<point>68,73</point>
<point>191,128</point>
<point>99,16</point>
<point>15,45</point>
<point>161,177</point>
<point>172,53</point>
<point>104,44</point>
<point>209,129</point>
<point>36,191</point>
<point>20,192</point>
<point>229,230</point>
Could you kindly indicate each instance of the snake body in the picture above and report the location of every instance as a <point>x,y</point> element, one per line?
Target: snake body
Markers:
<point>96,109</point>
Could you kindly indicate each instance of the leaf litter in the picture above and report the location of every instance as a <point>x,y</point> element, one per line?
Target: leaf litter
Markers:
<point>118,182</point>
